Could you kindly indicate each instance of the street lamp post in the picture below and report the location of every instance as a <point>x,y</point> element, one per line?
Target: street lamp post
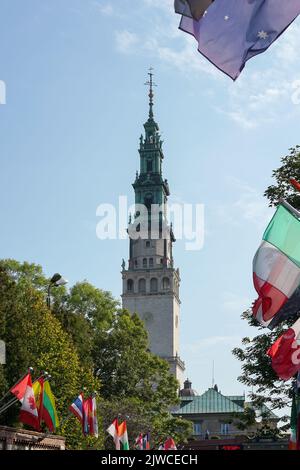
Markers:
<point>56,281</point>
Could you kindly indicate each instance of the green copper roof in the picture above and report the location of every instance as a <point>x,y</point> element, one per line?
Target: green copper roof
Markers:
<point>210,402</point>
<point>237,399</point>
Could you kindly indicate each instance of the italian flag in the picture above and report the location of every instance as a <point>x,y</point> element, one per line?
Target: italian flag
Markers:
<point>276,266</point>
<point>123,436</point>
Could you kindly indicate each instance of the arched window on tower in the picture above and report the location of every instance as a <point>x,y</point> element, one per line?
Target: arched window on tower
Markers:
<point>153,285</point>
<point>166,283</point>
<point>145,263</point>
<point>151,263</point>
<point>130,285</point>
<point>148,201</point>
<point>142,285</point>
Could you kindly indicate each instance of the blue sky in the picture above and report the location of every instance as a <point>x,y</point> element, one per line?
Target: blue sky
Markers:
<point>75,106</point>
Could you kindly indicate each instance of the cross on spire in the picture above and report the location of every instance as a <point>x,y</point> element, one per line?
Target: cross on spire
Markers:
<point>151,84</point>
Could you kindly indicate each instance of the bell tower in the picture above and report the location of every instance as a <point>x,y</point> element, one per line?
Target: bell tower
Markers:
<point>151,282</point>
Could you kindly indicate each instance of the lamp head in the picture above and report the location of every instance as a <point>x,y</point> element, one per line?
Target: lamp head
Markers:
<point>57,280</point>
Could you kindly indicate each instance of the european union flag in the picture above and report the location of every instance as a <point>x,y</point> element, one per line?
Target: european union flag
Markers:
<point>230,32</point>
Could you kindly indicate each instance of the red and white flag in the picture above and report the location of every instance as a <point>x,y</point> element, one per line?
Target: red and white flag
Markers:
<point>20,388</point>
<point>113,430</point>
<point>170,444</point>
<point>285,352</point>
<point>29,412</point>
<point>93,421</point>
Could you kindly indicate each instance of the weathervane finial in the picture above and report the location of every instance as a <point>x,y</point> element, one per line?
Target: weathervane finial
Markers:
<point>151,84</point>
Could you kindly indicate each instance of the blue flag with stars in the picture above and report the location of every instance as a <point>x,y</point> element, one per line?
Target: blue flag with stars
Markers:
<point>192,8</point>
<point>230,32</point>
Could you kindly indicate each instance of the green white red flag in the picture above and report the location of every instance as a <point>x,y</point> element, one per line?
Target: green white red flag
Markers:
<point>276,267</point>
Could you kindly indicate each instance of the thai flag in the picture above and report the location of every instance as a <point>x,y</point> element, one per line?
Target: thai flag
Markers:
<point>77,408</point>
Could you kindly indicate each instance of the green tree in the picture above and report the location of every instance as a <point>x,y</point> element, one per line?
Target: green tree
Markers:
<point>84,312</point>
<point>256,365</point>
<point>34,337</point>
<point>85,340</point>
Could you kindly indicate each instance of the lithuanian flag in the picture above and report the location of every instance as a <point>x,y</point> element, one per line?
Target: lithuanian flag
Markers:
<point>46,404</point>
<point>276,266</point>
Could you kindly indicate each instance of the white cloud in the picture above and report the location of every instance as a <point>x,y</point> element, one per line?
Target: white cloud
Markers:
<point>250,206</point>
<point>126,41</point>
<point>105,8</point>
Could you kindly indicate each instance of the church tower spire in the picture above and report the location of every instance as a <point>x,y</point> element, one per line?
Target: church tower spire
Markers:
<point>151,282</point>
<point>151,84</point>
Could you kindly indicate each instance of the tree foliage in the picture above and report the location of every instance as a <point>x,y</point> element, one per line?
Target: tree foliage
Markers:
<point>87,343</point>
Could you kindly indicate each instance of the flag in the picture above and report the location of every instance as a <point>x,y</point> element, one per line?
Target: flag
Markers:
<point>233,31</point>
<point>285,352</point>
<point>113,431</point>
<point>146,441</point>
<point>20,388</point>
<point>76,408</point>
<point>139,442</point>
<point>192,8</point>
<point>289,310</point>
<point>29,413</point>
<point>49,412</point>
<point>45,403</point>
<point>170,444</point>
<point>294,423</point>
<point>95,418</point>
<point>276,266</point>
<point>38,390</point>
<point>92,417</point>
<point>123,436</point>
<point>86,416</point>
